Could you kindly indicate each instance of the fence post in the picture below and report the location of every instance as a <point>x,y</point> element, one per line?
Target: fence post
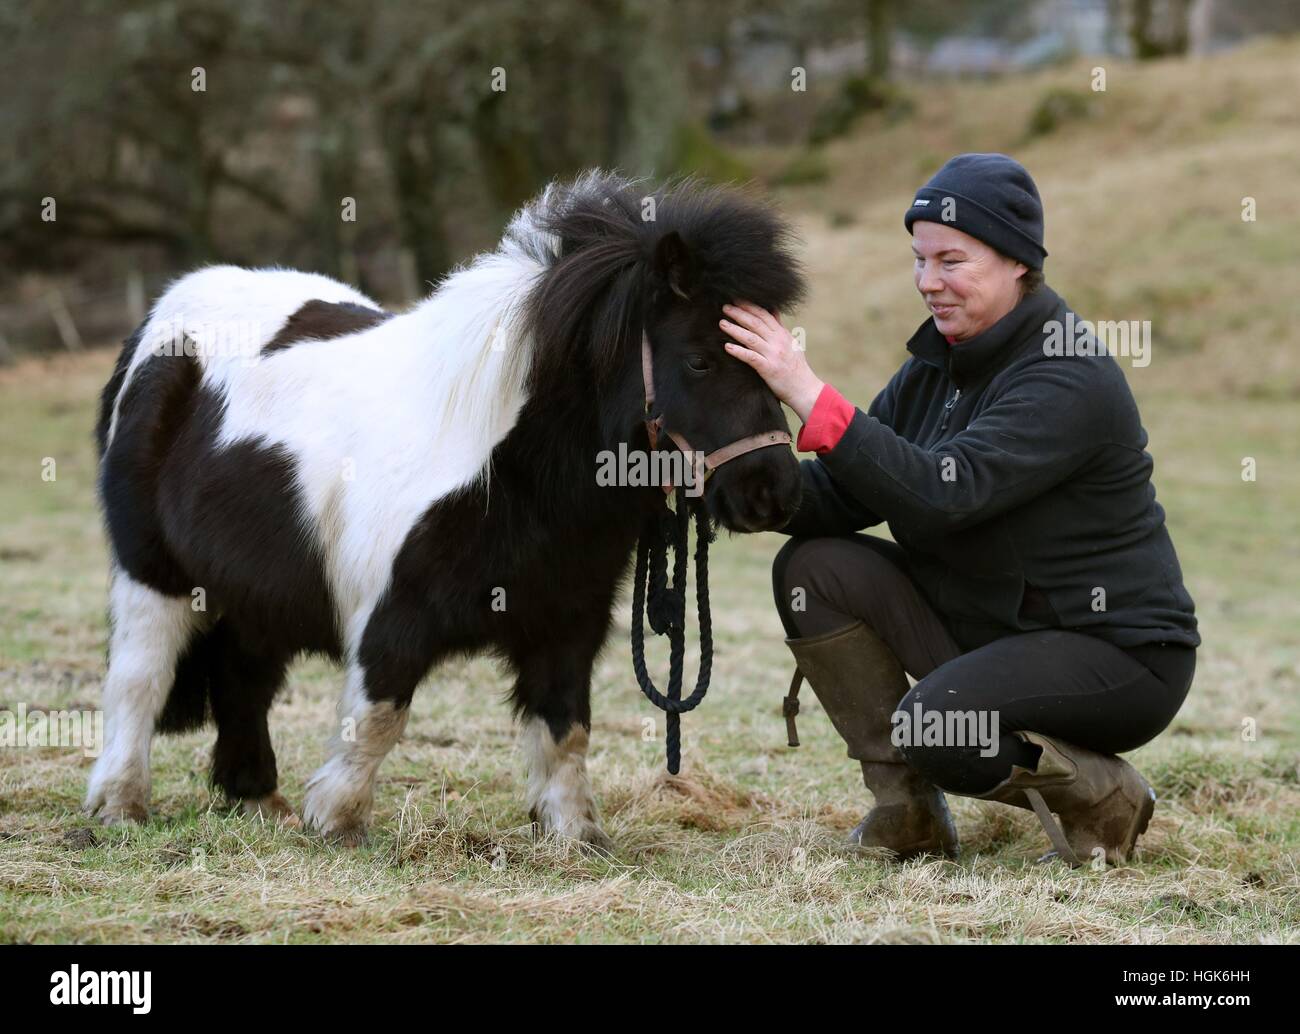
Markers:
<point>63,320</point>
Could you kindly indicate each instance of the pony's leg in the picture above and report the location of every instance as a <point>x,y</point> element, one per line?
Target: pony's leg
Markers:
<point>393,652</point>
<point>552,697</point>
<point>244,681</point>
<point>341,792</point>
<point>149,633</point>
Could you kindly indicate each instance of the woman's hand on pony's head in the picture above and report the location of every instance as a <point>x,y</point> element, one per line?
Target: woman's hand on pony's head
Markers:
<point>760,341</point>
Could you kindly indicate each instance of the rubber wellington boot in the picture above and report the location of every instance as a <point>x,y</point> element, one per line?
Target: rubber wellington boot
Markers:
<point>1103,802</point>
<point>859,683</point>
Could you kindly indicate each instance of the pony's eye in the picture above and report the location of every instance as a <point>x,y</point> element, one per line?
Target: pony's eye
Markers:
<point>697,363</point>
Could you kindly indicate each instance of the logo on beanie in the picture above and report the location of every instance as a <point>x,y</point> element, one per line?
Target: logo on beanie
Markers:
<point>921,202</point>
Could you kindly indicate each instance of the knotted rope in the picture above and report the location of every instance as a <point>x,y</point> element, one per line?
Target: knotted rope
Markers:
<point>666,609</point>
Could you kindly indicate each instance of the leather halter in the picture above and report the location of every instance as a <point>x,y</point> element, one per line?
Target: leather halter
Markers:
<point>704,463</point>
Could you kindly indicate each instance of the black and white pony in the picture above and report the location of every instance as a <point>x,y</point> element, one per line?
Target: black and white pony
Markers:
<point>393,490</point>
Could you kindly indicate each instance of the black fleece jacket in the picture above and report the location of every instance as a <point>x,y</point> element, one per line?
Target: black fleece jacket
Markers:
<point>1017,482</point>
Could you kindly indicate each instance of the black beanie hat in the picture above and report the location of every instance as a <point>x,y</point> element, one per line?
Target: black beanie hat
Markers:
<point>989,196</point>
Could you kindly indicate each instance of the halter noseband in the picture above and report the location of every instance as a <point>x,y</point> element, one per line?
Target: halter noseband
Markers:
<point>708,461</point>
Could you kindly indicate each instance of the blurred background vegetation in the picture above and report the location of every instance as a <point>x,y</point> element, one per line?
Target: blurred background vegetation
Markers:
<point>171,133</point>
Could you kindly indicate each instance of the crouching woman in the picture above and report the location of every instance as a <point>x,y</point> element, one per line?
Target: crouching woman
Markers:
<point>1031,587</point>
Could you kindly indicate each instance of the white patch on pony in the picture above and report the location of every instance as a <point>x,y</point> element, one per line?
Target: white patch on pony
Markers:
<point>559,792</point>
<point>342,791</point>
<point>149,633</point>
<point>386,421</point>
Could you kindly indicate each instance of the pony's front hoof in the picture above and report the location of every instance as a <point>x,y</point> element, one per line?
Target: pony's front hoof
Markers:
<point>346,836</point>
<point>117,797</point>
<point>341,830</point>
<point>338,804</point>
<point>586,834</point>
<point>273,808</point>
<point>119,813</point>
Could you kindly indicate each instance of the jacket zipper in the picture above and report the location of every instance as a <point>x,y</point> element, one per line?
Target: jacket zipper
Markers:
<point>947,409</point>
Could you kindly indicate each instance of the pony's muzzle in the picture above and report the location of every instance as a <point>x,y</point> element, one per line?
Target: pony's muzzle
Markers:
<point>756,492</point>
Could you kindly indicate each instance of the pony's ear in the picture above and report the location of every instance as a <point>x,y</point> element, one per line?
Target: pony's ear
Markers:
<point>673,264</point>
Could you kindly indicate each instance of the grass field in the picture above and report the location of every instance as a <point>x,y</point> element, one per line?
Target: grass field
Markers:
<point>1143,201</point>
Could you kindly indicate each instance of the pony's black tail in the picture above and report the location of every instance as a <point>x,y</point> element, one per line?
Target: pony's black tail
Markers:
<point>189,701</point>
<point>113,388</point>
<point>232,683</point>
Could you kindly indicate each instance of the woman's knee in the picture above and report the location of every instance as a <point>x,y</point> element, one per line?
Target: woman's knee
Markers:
<point>781,566</point>
<point>804,582</point>
<point>783,583</point>
<point>964,751</point>
<point>834,569</point>
<point>909,734</point>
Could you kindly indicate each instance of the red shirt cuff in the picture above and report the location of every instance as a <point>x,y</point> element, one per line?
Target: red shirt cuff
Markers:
<point>830,415</point>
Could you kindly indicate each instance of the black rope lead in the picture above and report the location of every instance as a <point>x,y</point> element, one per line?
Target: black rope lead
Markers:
<point>666,610</point>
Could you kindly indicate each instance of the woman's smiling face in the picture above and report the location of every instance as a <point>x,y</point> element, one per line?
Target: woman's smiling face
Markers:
<point>967,285</point>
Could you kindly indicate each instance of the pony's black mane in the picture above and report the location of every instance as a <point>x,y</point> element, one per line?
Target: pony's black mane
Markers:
<point>600,284</point>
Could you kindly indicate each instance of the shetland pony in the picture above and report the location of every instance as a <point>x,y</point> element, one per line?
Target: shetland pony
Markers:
<point>287,469</point>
